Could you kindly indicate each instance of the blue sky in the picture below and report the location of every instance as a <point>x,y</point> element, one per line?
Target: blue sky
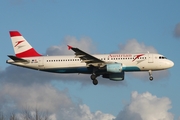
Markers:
<point>107,26</point>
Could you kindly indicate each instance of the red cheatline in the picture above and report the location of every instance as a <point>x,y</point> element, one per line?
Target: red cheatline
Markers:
<point>137,56</point>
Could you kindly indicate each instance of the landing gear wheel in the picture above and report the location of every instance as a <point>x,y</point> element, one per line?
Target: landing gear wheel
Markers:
<point>95,82</point>
<point>151,78</point>
<point>93,77</point>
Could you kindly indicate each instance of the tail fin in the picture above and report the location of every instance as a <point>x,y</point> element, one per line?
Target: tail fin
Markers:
<point>21,47</point>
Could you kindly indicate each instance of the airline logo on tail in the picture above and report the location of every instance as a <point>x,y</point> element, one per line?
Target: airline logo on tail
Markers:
<point>21,47</point>
<point>18,42</point>
<point>138,56</point>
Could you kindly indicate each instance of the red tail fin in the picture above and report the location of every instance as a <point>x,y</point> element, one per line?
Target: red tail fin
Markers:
<point>21,47</point>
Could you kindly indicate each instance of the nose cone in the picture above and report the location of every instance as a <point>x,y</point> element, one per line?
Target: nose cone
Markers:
<point>165,64</point>
<point>170,63</point>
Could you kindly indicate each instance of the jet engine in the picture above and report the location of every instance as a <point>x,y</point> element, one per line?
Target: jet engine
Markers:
<point>114,76</point>
<point>114,68</point>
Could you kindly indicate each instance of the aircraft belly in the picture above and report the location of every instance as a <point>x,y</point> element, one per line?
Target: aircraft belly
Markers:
<point>131,68</point>
<point>26,65</point>
<point>70,70</point>
<point>149,66</point>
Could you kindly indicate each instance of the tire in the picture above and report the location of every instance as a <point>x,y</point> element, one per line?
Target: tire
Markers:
<point>95,82</point>
<point>93,77</point>
<point>150,78</point>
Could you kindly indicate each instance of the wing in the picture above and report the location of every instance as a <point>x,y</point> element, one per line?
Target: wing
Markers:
<point>90,60</point>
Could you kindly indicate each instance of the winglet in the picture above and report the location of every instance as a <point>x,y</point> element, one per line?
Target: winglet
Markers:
<point>69,47</point>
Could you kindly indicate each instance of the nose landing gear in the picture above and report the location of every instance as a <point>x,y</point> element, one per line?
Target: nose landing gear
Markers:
<point>150,75</point>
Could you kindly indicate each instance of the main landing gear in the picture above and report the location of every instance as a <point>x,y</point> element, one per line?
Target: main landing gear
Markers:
<point>94,80</point>
<point>150,75</point>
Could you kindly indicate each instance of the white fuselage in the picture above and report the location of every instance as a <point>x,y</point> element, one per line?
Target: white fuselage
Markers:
<point>70,64</point>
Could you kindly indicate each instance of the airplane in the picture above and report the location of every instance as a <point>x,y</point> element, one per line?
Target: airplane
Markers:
<point>110,66</point>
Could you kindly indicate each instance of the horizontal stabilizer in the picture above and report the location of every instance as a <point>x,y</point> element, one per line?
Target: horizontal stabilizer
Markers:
<point>16,59</point>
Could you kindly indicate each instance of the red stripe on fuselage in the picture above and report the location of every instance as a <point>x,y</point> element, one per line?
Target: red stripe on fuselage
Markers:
<point>29,53</point>
<point>14,33</point>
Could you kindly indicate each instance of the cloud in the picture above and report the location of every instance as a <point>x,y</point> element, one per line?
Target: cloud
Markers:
<point>133,46</point>
<point>85,43</point>
<point>15,97</point>
<point>45,97</point>
<point>177,30</point>
<point>146,106</point>
<point>35,96</point>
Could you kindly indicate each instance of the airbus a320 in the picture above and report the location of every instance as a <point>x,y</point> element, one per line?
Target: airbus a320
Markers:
<point>110,66</point>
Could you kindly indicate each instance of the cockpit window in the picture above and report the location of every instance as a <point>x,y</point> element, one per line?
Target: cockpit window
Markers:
<point>162,57</point>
